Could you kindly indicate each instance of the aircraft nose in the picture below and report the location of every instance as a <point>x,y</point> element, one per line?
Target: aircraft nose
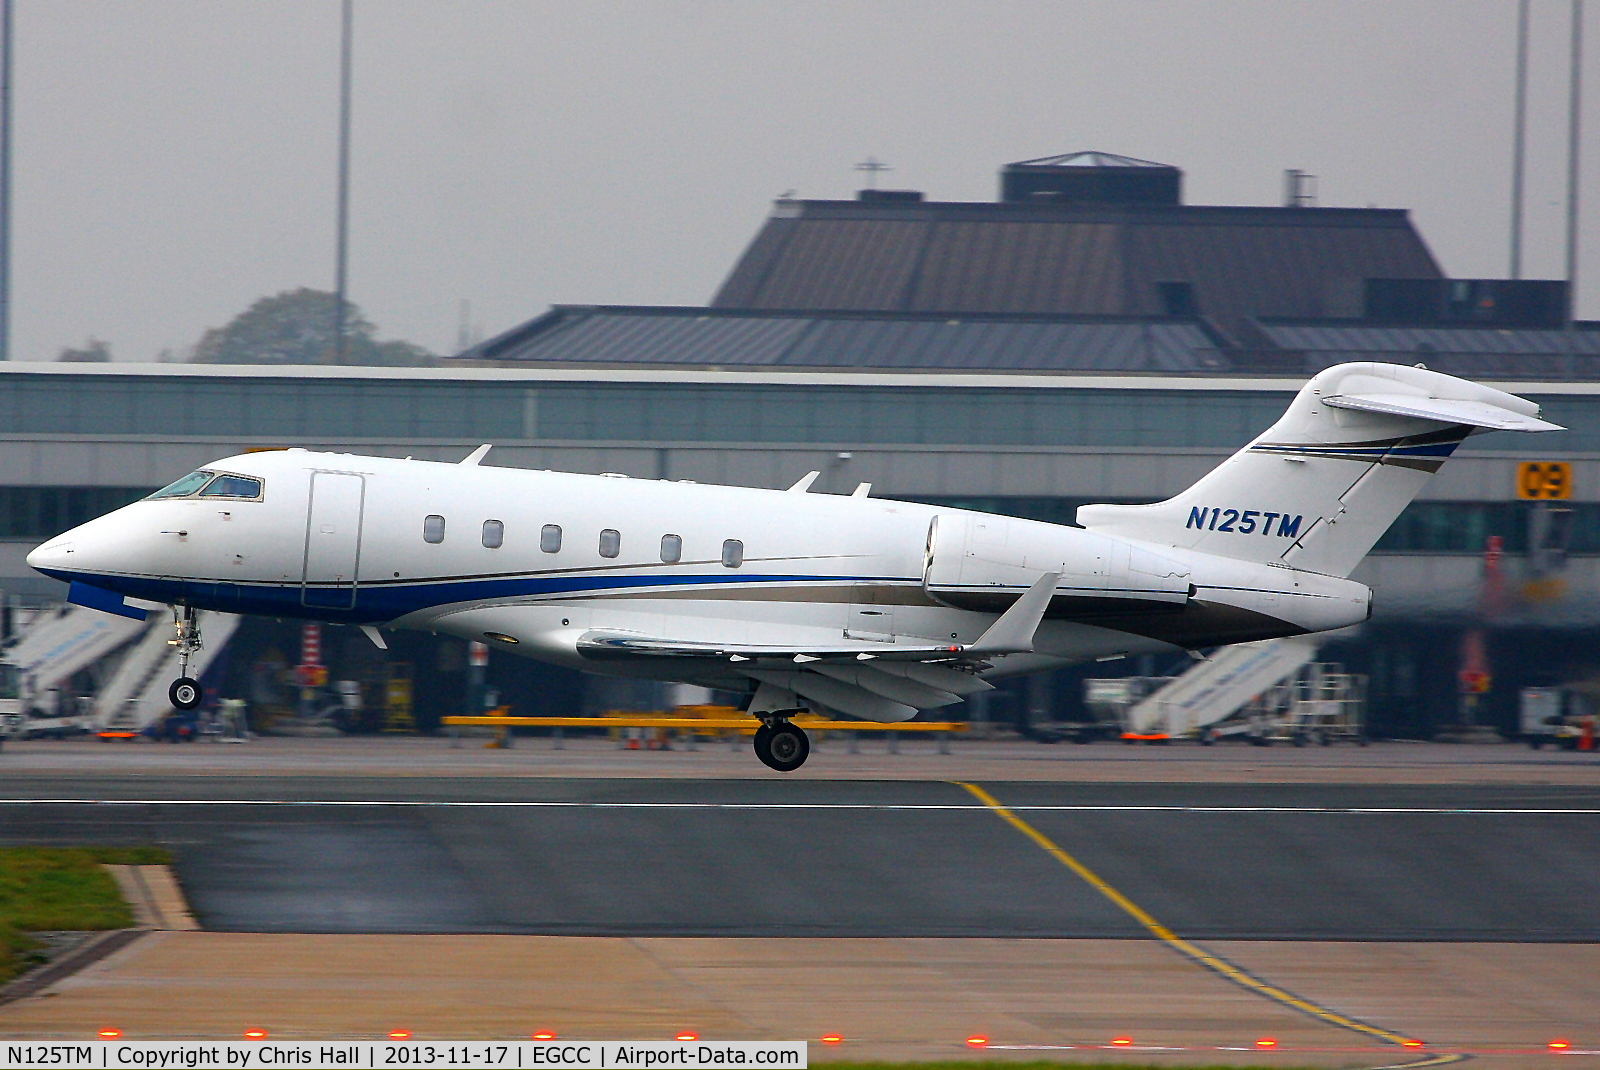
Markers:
<point>56,555</point>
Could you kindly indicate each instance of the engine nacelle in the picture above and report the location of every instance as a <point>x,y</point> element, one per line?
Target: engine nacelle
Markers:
<point>979,562</point>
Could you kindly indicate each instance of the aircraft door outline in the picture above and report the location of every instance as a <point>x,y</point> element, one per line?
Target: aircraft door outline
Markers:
<point>334,514</point>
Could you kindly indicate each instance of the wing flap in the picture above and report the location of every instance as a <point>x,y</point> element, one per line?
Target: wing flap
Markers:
<point>602,645</point>
<point>896,688</point>
<point>940,677</point>
<point>841,696</point>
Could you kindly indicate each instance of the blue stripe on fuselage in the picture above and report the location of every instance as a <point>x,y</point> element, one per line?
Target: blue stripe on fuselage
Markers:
<point>383,602</point>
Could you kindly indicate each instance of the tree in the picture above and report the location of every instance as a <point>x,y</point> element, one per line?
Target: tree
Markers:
<point>93,351</point>
<point>296,327</point>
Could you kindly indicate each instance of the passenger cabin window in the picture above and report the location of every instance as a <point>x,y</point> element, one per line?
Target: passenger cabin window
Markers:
<point>672,549</point>
<point>433,528</point>
<point>494,534</point>
<point>232,487</point>
<point>732,553</point>
<point>610,542</point>
<point>550,538</point>
<point>183,487</point>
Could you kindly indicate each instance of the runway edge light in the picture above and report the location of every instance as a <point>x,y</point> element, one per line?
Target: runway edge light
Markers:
<point>977,1040</point>
<point>399,1034</point>
<point>1266,1042</point>
<point>1560,1045</point>
<point>255,1034</point>
<point>687,1035</point>
<point>544,1034</point>
<point>1412,1044</point>
<point>1122,1042</point>
<point>831,1038</point>
<point>110,1034</point>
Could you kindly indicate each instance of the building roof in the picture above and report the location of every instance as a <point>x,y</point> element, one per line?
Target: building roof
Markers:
<point>1090,159</point>
<point>1474,352</point>
<point>1072,259</point>
<point>622,336</point>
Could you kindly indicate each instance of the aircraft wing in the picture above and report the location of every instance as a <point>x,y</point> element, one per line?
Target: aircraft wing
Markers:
<point>600,644</point>
<point>876,681</point>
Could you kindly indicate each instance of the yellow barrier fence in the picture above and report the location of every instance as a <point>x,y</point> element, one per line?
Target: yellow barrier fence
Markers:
<point>729,725</point>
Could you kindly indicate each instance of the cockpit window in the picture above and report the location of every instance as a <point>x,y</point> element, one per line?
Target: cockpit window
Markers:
<point>232,487</point>
<point>185,486</point>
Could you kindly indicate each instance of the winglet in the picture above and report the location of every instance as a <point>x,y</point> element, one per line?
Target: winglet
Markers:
<point>1013,632</point>
<point>804,483</point>
<point>476,457</point>
<point>863,490</point>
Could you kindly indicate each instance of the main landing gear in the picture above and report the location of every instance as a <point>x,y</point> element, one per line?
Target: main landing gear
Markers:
<point>780,745</point>
<point>185,694</point>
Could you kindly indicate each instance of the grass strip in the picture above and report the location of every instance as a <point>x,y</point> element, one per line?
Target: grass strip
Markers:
<point>60,888</point>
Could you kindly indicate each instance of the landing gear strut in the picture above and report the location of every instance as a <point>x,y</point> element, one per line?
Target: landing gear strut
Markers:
<point>780,745</point>
<point>185,694</point>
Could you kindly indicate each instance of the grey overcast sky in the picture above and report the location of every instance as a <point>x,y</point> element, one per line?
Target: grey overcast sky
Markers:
<point>175,159</point>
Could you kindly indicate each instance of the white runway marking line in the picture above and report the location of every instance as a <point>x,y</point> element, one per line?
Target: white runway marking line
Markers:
<point>1132,808</point>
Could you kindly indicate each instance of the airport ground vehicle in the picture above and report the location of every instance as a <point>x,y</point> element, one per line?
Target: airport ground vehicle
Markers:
<point>1558,716</point>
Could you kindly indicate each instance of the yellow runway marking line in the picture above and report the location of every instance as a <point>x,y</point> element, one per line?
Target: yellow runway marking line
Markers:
<point>1173,940</point>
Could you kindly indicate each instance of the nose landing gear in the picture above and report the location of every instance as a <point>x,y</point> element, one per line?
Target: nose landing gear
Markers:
<point>185,694</point>
<point>780,745</point>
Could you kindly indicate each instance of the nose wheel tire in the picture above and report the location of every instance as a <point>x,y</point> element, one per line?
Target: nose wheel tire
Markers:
<point>184,694</point>
<point>782,747</point>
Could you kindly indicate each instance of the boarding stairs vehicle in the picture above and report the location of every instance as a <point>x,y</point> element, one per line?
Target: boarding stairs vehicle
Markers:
<point>11,723</point>
<point>136,696</point>
<point>1216,688</point>
<point>1319,703</point>
<point>55,647</point>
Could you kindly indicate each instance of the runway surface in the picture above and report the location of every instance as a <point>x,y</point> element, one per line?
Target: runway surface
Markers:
<point>857,858</point>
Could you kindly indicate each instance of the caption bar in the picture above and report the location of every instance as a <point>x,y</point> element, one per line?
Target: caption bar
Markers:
<point>439,1054</point>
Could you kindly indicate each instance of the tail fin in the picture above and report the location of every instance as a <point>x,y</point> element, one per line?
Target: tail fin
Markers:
<point>1321,485</point>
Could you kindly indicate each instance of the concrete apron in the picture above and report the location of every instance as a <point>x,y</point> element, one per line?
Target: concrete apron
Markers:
<point>891,999</point>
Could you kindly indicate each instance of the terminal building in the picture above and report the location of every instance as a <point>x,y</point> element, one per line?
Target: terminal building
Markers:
<point>1085,338</point>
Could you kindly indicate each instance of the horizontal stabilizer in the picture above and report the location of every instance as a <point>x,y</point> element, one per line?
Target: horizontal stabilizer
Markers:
<point>1317,489</point>
<point>1444,410</point>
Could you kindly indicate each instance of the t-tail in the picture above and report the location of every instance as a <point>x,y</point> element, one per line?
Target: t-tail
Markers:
<point>1318,488</point>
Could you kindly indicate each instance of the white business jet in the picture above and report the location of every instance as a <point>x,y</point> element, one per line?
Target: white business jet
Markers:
<point>871,607</point>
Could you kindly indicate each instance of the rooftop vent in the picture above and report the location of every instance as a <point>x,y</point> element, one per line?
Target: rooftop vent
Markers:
<point>889,196</point>
<point>1090,178</point>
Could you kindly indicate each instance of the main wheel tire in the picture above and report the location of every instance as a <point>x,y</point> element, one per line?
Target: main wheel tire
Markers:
<point>785,748</point>
<point>184,694</point>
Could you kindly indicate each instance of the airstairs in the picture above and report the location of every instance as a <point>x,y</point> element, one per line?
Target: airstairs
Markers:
<point>1218,687</point>
<point>136,696</point>
<point>73,638</point>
